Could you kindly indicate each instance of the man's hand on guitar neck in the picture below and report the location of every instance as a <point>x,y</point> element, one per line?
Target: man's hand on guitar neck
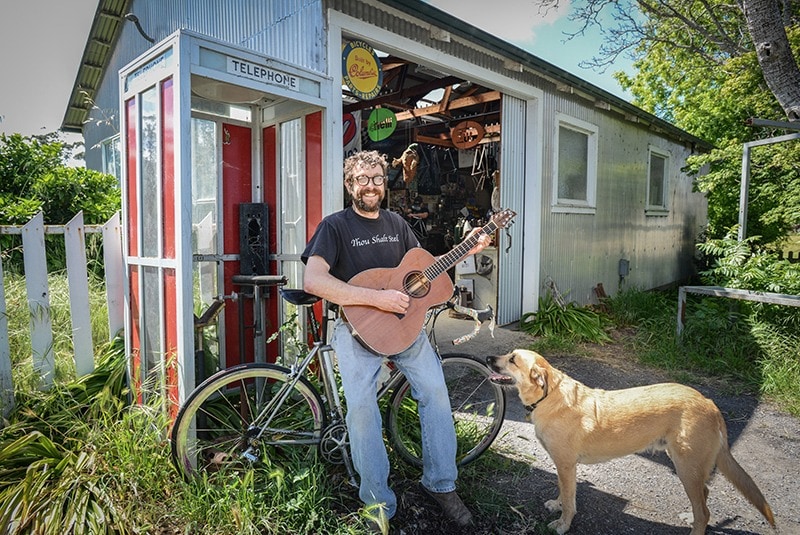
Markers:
<point>484,241</point>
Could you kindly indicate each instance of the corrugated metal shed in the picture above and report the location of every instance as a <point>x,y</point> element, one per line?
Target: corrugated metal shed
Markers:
<point>214,18</point>
<point>576,249</point>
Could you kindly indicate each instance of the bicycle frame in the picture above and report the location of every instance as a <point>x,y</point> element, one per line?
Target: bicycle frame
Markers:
<point>329,434</point>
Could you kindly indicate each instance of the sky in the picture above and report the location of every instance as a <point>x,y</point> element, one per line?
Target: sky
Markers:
<point>42,41</point>
<point>540,32</point>
<point>41,44</point>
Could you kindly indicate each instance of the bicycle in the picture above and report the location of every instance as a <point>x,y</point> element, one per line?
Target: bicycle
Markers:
<point>254,411</point>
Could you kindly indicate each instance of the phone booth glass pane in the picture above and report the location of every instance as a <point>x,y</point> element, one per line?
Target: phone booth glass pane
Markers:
<point>205,239</point>
<point>205,185</point>
<point>293,195</point>
<point>150,175</point>
<point>151,343</point>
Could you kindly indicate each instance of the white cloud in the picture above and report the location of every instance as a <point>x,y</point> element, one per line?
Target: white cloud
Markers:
<point>510,20</point>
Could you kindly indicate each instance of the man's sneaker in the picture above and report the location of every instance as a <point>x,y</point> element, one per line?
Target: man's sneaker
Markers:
<point>452,506</point>
<point>377,522</point>
<point>378,528</point>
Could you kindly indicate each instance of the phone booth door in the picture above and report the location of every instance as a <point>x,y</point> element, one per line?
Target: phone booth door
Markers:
<point>150,131</point>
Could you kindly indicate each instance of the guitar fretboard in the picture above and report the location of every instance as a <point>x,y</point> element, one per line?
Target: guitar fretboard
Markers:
<point>448,260</point>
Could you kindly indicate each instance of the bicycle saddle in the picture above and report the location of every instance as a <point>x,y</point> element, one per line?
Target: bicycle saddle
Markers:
<point>298,297</point>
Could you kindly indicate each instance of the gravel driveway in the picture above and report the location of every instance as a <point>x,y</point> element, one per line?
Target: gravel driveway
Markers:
<point>640,494</point>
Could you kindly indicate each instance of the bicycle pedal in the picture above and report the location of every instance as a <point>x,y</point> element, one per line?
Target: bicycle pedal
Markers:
<point>250,455</point>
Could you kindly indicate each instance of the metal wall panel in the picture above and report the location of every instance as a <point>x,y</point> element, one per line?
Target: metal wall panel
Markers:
<point>581,250</point>
<point>398,23</point>
<point>575,251</point>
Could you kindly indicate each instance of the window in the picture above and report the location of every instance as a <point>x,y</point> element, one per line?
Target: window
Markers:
<point>110,152</point>
<point>575,166</point>
<point>657,180</point>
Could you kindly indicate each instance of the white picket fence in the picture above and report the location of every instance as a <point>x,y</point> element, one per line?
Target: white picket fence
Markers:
<point>38,293</point>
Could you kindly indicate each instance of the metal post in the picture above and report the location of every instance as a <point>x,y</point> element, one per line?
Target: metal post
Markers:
<point>681,310</point>
<point>743,192</point>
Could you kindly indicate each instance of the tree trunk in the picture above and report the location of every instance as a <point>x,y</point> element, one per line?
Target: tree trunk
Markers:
<point>780,69</point>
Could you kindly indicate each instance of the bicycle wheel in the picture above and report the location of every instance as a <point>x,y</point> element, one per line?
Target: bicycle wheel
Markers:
<point>478,405</point>
<point>233,420</point>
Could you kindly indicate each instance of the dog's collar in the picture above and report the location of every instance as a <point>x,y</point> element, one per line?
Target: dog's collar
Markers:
<point>532,406</point>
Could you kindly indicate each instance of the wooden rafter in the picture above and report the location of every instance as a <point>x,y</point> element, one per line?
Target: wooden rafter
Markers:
<point>397,96</point>
<point>489,96</point>
<point>443,140</point>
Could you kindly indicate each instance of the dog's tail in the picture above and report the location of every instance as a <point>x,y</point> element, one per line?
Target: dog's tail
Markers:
<point>733,471</point>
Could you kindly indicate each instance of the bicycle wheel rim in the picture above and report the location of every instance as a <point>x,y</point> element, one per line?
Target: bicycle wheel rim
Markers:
<point>217,429</point>
<point>478,407</point>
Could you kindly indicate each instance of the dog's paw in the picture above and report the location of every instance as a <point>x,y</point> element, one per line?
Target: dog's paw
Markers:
<point>559,526</point>
<point>553,506</point>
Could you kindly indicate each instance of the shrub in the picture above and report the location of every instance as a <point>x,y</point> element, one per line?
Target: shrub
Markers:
<point>34,178</point>
<point>569,320</point>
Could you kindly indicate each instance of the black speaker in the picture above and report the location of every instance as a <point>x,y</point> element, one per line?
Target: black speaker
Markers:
<point>253,238</point>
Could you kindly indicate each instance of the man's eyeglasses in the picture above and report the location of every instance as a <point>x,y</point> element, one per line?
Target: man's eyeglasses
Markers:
<point>363,180</point>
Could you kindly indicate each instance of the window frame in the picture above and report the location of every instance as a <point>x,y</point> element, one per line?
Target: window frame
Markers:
<point>589,205</point>
<point>112,146</point>
<point>657,209</point>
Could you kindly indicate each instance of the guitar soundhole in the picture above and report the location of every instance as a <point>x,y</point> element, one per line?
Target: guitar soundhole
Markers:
<point>416,284</point>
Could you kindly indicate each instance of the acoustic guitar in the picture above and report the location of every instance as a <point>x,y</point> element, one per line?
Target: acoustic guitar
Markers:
<point>419,275</point>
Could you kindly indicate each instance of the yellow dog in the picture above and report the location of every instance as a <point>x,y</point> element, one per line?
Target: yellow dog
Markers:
<point>578,424</point>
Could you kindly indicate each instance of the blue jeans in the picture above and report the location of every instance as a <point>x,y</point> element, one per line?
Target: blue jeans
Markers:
<point>359,369</point>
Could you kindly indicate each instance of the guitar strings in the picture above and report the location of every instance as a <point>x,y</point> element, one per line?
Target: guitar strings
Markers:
<point>448,259</point>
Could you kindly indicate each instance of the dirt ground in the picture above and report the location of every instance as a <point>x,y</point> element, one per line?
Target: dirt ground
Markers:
<point>637,494</point>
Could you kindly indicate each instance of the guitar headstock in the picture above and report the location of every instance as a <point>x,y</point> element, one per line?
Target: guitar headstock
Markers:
<point>503,217</point>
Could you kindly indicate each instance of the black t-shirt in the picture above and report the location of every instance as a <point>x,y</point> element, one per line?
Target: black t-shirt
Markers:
<point>350,243</point>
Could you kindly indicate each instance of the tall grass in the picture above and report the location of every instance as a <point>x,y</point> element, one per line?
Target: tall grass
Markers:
<point>19,317</point>
<point>756,347</point>
<point>78,458</point>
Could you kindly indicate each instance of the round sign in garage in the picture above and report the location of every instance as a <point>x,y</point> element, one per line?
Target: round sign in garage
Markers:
<point>381,124</point>
<point>361,69</point>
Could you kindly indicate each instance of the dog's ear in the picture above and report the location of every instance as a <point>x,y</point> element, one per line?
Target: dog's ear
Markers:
<point>538,375</point>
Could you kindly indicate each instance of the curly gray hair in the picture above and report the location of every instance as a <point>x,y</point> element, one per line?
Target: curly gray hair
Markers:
<point>365,158</point>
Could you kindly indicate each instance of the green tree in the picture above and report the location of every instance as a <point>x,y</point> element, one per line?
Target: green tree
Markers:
<point>712,31</point>
<point>22,159</point>
<point>34,178</point>
<point>714,101</point>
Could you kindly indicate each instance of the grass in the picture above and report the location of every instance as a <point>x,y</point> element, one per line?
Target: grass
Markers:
<point>751,346</point>
<point>78,458</point>
<point>19,316</point>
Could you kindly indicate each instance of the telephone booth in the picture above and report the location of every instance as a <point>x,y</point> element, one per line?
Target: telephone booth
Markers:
<point>223,165</point>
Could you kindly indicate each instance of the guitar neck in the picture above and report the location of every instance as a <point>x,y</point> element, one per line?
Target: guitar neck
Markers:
<point>446,261</point>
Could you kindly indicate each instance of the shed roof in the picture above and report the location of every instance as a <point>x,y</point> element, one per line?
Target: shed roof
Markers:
<point>109,18</point>
<point>107,25</point>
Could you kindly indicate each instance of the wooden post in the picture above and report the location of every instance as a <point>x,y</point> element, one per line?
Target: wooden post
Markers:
<point>6,380</point>
<point>35,261</point>
<point>115,275</point>
<point>78,279</point>
<point>681,310</point>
